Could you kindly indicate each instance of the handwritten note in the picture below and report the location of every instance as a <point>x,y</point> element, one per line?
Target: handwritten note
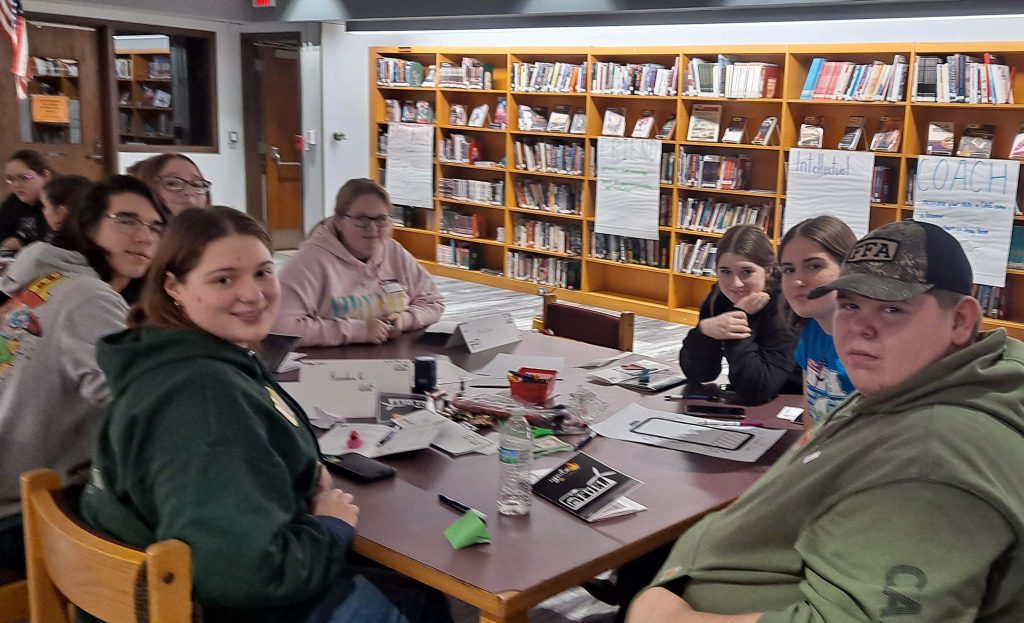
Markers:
<point>393,376</point>
<point>410,164</point>
<point>628,187</point>
<point>973,200</point>
<point>828,181</point>
<point>480,333</point>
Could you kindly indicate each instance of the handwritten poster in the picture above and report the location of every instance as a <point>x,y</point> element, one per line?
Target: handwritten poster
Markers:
<point>829,181</point>
<point>410,165</point>
<point>628,187</point>
<point>973,200</point>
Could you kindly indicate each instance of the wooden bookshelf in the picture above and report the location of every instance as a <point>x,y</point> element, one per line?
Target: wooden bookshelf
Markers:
<point>661,291</point>
<point>143,75</point>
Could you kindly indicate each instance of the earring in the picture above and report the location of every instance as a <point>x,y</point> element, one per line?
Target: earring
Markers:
<point>177,303</point>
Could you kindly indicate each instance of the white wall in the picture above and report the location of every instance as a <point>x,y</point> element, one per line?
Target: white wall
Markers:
<point>347,84</point>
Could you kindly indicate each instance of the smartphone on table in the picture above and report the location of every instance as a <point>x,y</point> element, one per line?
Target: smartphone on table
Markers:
<point>715,411</point>
<point>357,467</point>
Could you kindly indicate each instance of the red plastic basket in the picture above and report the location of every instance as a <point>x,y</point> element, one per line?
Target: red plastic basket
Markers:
<point>536,391</point>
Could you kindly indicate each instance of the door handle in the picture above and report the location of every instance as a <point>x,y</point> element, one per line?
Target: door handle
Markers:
<point>275,155</point>
<point>97,152</point>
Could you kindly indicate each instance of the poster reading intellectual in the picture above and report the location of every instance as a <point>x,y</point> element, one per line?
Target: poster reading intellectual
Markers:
<point>410,165</point>
<point>973,199</point>
<point>628,187</point>
<point>828,181</point>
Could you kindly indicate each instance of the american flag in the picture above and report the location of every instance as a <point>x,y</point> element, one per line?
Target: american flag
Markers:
<point>14,25</point>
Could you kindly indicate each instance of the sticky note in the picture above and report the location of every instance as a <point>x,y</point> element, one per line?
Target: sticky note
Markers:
<point>468,530</point>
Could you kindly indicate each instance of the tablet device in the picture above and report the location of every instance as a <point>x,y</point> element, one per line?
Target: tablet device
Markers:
<point>675,430</point>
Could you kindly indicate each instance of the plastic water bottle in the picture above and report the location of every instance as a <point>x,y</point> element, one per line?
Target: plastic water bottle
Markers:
<point>515,451</point>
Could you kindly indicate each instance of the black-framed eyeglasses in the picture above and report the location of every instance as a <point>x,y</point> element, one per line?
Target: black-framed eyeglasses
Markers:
<point>362,222</point>
<point>176,184</point>
<point>130,224</point>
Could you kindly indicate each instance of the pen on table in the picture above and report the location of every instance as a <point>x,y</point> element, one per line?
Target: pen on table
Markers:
<point>687,397</point>
<point>736,424</point>
<point>590,437</point>
<point>459,506</point>
<point>385,438</point>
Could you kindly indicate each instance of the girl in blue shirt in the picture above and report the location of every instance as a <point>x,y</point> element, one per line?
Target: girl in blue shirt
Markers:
<point>811,254</point>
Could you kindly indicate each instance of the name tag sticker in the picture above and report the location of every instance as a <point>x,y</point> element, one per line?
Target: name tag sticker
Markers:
<point>393,286</point>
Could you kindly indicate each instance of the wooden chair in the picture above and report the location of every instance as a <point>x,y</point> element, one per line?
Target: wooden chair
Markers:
<point>14,602</point>
<point>586,325</point>
<point>70,565</point>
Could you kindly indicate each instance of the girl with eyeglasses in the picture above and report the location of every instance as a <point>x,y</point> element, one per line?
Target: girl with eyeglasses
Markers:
<point>741,320</point>
<point>350,282</point>
<point>64,297</point>
<point>26,172</point>
<point>176,180</point>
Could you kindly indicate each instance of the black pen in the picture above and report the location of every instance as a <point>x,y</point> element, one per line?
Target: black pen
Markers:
<point>385,438</point>
<point>459,506</point>
<point>590,437</point>
<point>687,397</point>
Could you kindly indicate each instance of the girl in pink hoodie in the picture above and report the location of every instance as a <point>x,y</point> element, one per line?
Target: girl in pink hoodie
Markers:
<point>350,282</point>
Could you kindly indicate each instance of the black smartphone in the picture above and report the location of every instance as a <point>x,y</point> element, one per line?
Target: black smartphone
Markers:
<point>732,413</point>
<point>357,467</point>
<point>692,433</point>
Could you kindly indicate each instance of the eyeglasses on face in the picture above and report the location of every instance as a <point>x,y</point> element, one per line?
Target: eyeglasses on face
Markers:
<point>20,179</point>
<point>177,185</point>
<point>362,222</point>
<point>131,225</point>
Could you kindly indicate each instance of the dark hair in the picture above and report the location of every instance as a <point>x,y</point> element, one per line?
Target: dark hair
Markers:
<point>749,241</point>
<point>77,231</point>
<point>181,249</point>
<point>33,160</point>
<point>356,188</point>
<point>148,170</point>
<point>64,190</point>
<point>828,232</point>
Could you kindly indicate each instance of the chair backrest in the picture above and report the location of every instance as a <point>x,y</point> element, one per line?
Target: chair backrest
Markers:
<point>14,602</point>
<point>70,564</point>
<point>586,325</point>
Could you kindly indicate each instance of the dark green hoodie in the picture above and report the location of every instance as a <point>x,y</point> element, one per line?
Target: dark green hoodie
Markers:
<point>907,506</point>
<point>203,446</point>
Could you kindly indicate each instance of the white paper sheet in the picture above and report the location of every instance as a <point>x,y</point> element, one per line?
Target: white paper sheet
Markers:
<point>410,165</point>
<point>387,375</point>
<point>503,362</point>
<point>618,426</point>
<point>618,374</point>
<point>973,200</point>
<point>453,438</point>
<point>335,441</point>
<point>628,187</point>
<point>829,181</point>
<point>327,400</point>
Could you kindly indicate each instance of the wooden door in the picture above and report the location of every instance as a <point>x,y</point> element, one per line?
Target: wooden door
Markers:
<point>282,157</point>
<point>73,142</point>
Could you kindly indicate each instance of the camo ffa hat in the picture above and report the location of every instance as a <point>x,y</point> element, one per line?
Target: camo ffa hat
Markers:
<point>900,260</point>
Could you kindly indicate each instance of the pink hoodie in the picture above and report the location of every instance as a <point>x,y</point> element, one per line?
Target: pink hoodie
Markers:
<point>327,294</point>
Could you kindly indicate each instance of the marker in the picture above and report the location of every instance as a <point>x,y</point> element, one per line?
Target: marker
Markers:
<point>590,437</point>
<point>385,438</point>
<point>737,424</point>
<point>459,506</point>
<point>687,397</point>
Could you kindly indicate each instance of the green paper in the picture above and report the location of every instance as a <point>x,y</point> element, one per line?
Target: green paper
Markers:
<point>468,530</point>
<point>541,432</point>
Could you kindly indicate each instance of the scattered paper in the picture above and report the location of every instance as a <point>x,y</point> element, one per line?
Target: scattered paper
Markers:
<point>619,425</point>
<point>387,375</point>
<point>453,438</point>
<point>789,414</point>
<point>448,372</point>
<point>467,530</point>
<point>291,362</point>
<point>626,372</point>
<point>602,362</point>
<point>336,440</point>
<point>326,399</point>
<point>503,362</point>
<point>550,445</point>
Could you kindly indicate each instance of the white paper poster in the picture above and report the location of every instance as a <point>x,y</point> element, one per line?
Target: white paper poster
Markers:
<point>829,181</point>
<point>410,165</point>
<point>628,187</point>
<point>974,200</point>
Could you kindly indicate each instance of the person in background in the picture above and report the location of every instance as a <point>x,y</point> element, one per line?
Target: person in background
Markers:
<point>906,503</point>
<point>176,180</point>
<point>64,297</point>
<point>58,198</point>
<point>203,445</point>
<point>741,320</point>
<point>21,214</point>
<point>811,255</point>
<point>350,282</point>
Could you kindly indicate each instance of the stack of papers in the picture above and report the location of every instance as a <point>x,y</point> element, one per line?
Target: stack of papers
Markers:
<point>626,372</point>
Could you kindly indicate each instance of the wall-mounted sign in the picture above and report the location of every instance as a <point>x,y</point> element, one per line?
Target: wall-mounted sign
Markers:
<point>50,109</point>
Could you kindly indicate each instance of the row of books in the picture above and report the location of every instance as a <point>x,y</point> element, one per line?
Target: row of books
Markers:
<point>562,198</point>
<point>398,72</point>
<point>615,124</point>
<point>480,116</point>
<point>549,77</point>
<point>844,80</point>
<point>711,215</point>
<point>714,171</point>
<point>628,250</point>
<point>458,148</point>
<point>124,67</point>
<point>421,111</point>
<point>472,190</point>
<point>544,269</point>
<point>535,119</point>
<point>696,257</point>
<point>885,139</point>
<point>469,74</point>
<point>884,180</point>
<point>993,300</point>
<point>706,121</point>
<point>963,78</point>
<point>728,78</point>
<point>535,234</point>
<point>459,254</point>
<point>667,170</point>
<point>458,224</point>
<point>549,156</point>
<point>975,142</point>
<point>1016,259</point>
<point>634,78</point>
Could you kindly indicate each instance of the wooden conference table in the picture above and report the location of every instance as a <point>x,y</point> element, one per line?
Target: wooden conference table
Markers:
<point>533,557</point>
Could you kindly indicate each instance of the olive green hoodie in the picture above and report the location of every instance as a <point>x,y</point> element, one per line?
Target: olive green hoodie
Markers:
<point>907,506</point>
<point>202,445</point>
